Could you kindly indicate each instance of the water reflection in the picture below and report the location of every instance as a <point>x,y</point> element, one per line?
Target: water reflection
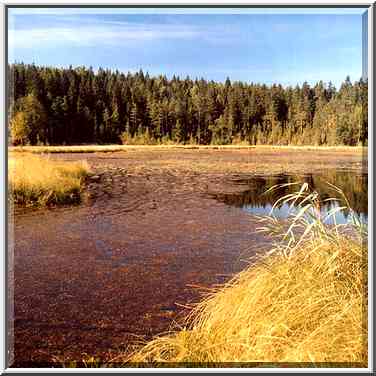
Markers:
<point>254,199</point>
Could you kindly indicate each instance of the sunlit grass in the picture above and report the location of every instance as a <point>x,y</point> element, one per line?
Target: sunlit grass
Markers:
<point>39,181</point>
<point>304,302</point>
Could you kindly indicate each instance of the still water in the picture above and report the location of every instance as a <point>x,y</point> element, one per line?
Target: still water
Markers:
<point>254,198</point>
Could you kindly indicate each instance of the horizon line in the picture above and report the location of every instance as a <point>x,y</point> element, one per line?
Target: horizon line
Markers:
<point>185,76</point>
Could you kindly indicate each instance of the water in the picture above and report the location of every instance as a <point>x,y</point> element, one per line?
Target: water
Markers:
<point>254,200</point>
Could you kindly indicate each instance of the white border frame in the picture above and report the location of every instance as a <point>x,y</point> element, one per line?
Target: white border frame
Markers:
<point>151,3</point>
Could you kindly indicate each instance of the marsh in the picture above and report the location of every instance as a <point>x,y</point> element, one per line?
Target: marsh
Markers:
<point>156,227</point>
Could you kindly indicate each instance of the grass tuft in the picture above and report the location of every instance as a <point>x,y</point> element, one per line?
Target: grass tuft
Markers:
<point>40,181</point>
<point>304,303</point>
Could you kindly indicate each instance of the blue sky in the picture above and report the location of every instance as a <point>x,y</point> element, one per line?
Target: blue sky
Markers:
<point>260,45</point>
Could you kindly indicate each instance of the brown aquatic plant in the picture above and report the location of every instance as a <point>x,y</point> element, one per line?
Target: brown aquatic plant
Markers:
<point>302,304</point>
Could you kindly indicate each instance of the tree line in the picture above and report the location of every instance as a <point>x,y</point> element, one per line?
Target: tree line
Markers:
<point>65,106</point>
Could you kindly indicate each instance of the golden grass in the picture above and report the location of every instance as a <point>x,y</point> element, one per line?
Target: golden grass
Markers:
<point>305,304</point>
<point>115,148</point>
<point>309,309</point>
<point>39,181</point>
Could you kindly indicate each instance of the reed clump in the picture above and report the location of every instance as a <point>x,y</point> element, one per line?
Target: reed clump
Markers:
<point>303,303</point>
<point>41,181</point>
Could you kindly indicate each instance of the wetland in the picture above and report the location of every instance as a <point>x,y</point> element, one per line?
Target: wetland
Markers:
<point>155,230</point>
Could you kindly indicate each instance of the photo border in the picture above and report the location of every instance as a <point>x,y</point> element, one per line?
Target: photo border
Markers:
<point>6,231</point>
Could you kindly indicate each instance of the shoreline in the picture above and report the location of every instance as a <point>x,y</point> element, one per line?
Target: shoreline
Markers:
<point>115,148</point>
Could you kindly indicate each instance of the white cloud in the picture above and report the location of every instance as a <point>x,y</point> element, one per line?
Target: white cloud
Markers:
<point>91,31</point>
<point>87,35</point>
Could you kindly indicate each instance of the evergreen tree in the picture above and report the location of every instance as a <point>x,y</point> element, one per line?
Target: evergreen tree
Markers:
<point>76,105</point>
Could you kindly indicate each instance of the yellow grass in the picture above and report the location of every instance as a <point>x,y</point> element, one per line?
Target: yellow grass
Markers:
<point>310,309</point>
<point>303,305</point>
<point>115,148</point>
<point>38,180</point>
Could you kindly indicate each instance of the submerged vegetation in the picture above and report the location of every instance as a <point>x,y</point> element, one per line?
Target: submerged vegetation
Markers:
<point>40,181</point>
<point>303,303</point>
<point>56,106</point>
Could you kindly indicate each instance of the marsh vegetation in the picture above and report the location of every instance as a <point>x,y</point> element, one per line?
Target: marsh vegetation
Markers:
<point>302,303</point>
<point>40,181</point>
<point>112,290</point>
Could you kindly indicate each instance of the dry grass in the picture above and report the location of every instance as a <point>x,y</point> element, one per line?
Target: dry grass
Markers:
<point>39,181</point>
<point>115,148</point>
<point>342,148</point>
<point>305,303</point>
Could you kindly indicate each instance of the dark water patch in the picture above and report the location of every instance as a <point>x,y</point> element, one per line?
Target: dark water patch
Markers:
<point>106,253</point>
<point>256,199</point>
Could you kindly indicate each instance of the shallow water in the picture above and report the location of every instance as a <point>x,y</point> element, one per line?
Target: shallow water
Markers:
<point>145,245</point>
<point>256,199</point>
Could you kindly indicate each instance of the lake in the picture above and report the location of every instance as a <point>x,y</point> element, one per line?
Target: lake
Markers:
<point>155,231</point>
<point>256,199</point>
